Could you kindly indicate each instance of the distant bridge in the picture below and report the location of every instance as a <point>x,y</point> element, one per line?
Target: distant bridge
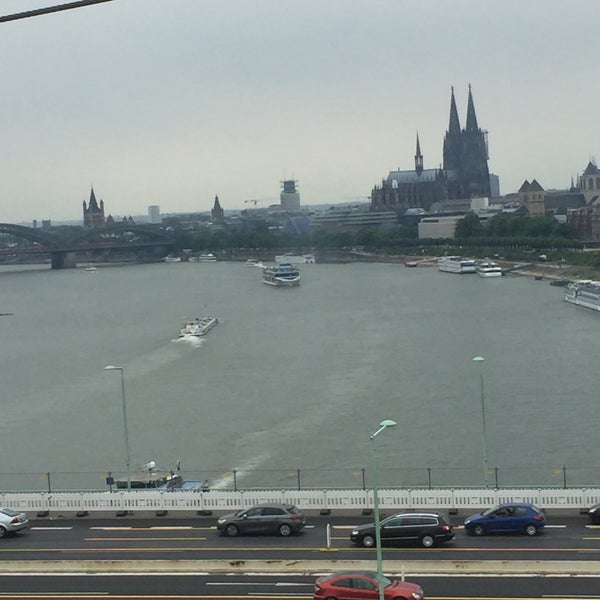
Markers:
<point>63,245</point>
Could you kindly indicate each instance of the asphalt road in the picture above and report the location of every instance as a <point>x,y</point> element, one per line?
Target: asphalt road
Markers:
<point>187,558</point>
<point>283,587</point>
<point>565,539</point>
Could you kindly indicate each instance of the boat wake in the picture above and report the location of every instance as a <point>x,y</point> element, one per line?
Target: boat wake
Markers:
<point>191,340</point>
<point>243,470</point>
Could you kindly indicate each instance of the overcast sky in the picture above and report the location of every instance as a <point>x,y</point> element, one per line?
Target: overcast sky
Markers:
<point>170,102</point>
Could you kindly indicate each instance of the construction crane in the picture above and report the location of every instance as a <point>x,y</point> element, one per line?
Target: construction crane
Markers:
<point>255,201</point>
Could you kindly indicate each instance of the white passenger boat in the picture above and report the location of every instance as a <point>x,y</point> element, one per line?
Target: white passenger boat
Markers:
<point>456,264</point>
<point>584,293</point>
<point>199,326</point>
<point>252,262</point>
<point>207,257</point>
<point>281,275</point>
<point>487,268</point>
<point>295,259</point>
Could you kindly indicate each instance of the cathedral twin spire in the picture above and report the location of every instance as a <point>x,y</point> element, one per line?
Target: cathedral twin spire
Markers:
<point>454,125</point>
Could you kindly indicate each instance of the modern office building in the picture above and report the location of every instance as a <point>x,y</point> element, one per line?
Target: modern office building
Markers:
<point>154,215</point>
<point>289,197</point>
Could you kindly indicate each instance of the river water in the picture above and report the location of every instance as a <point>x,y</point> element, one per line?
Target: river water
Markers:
<point>292,382</point>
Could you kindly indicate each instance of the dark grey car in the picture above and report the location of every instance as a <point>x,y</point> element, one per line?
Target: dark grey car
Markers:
<point>283,519</point>
<point>426,528</point>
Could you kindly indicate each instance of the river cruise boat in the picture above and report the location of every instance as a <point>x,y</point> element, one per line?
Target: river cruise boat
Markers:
<point>487,268</point>
<point>456,264</point>
<point>584,293</point>
<point>281,275</point>
<point>199,326</point>
<point>295,259</point>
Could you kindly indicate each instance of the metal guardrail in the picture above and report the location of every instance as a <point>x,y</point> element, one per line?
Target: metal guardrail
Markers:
<point>332,500</point>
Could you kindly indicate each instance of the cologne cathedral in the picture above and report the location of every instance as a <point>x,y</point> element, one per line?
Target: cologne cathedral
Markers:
<point>463,175</point>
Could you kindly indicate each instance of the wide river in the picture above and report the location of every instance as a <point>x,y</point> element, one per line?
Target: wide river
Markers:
<point>294,379</point>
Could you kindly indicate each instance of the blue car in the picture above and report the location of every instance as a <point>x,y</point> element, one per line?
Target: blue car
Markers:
<point>512,517</point>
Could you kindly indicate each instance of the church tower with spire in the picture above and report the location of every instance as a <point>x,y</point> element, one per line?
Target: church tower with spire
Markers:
<point>474,173</point>
<point>93,214</point>
<point>217,212</point>
<point>418,158</point>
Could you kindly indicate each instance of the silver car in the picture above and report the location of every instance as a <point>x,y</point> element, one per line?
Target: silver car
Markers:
<point>12,521</point>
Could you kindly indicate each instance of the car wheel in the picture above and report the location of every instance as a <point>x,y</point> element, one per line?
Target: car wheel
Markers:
<point>479,530</point>
<point>531,529</point>
<point>368,541</point>
<point>285,530</point>
<point>232,530</point>
<point>427,541</point>
<point>3,532</point>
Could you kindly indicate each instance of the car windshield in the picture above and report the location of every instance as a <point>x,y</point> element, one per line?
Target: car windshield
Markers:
<point>8,512</point>
<point>386,581</point>
<point>489,511</point>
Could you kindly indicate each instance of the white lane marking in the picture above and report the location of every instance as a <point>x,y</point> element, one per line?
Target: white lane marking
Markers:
<point>275,584</point>
<point>161,528</point>
<point>301,574</point>
<point>49,528</point>
<point>106,574</point>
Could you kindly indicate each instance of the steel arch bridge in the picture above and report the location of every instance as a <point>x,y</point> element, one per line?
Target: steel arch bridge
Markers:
<point>63,245</point>
<point>38,236</point>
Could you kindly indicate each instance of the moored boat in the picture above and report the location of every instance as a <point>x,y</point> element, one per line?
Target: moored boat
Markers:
<point>295,259</point>
<point>456,264</point>
<point>152,478</point>
<point>584,293</point>
<point>199,326</point>
<point>487,268</point>
<point>281,275</point>
<point>207,257</point>
<point>253,262</point>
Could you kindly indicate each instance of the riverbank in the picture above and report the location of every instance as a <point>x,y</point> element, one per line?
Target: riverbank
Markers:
<point>539,270</point>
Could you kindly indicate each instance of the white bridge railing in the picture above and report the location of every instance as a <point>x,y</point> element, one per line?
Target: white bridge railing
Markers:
<point>307,500</point>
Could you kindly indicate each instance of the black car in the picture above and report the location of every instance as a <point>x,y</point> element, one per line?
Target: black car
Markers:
<point>426,528</point>
<point>283,519</point>
<point>594,514</point>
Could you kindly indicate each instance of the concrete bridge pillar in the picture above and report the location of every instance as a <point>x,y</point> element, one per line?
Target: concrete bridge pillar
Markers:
<point>64,260</point>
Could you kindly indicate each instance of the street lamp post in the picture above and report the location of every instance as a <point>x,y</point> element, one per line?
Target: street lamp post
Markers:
<point>479,360</point>
<point>113,368</point>
<point>383,425</point>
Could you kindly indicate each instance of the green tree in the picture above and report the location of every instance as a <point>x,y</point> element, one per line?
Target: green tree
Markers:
<point>469,226</point>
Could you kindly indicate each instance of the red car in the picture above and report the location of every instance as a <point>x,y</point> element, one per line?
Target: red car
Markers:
<point>350,585</point>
